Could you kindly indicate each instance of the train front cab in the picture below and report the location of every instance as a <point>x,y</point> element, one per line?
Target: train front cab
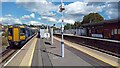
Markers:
<point>16,35</point>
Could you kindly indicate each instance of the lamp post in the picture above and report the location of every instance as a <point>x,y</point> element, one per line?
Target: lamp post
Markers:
<point>62,28</point>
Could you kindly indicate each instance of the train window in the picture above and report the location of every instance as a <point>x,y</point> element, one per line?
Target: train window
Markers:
<point>112,33</point>
<point>89,31</point>
<point>118,31</point>
<point>10,32</point>
<point>115,31</point>
<point>22,31</point>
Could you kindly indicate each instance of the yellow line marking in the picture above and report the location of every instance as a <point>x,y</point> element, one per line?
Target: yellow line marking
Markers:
<point>27,60</point>
<point>99,57</point>
<point>32,52</point>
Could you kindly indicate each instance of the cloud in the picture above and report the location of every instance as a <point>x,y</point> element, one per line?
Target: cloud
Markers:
<point>73,11</point>
<point>32,15</point>
<point>39,18</point>
<point>49,14</point>
<point>10,20</point>
<point>76,10</point>
<point>112,14</point>
<point>52,19</point>
<point>67,21</point>
<point>9,15</point>
<point>49,19</point>
<point>43,7</point>
<point>81,8</point>
<point>111,10</point>
<point>25,17</point>
<point>35,23</point>
<point>28,16</point>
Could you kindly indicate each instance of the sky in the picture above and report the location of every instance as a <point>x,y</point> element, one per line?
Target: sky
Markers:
<point>47,11</point>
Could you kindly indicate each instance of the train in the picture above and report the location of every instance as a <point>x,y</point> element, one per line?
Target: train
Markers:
<point>19,34</point>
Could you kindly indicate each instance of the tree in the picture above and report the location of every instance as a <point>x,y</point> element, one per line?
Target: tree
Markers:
<point>72,26</point>
<point>43,26</point>
<point>93,18</point>
<point>31,25</point>
<point>24,24</point>
<point>55,28</point>
<point>67,26</point>
<point>77,24</point>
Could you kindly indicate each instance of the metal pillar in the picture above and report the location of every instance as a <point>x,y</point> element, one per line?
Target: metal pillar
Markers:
<point>47,33</point>
<point>62,28</point>
<point>62,41</point>
<point>51,31</point>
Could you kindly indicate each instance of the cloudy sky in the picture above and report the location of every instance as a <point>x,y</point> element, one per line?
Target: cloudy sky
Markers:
<point>39,12</point>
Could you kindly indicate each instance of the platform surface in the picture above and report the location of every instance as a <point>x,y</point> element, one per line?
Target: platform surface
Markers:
<point>50,55</point>
<point>38,52</point>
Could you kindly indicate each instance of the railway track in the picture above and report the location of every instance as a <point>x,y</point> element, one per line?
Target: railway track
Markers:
<point>6,54</point>
<point>94,44</point>
<point>11,51</point>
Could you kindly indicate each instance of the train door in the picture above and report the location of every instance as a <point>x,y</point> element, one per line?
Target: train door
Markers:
<point>15,34</point>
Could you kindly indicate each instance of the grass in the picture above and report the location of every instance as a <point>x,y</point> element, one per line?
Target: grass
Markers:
<point>4,38</point>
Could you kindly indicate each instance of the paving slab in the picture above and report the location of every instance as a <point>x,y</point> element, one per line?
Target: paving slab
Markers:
<point>41,57</point>
<point>70,59</point>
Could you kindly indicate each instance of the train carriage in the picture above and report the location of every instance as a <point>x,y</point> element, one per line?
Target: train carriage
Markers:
<point>19,34</point>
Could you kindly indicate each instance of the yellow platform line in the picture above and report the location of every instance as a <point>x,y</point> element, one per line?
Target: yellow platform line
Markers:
<point>99,57</point>
<point>27,60</point>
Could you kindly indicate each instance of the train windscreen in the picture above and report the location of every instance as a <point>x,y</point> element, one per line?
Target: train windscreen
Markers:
<point>10,32</point>
<point>22,31</point>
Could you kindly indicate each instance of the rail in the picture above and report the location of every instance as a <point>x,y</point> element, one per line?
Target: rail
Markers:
<point>108,46</point>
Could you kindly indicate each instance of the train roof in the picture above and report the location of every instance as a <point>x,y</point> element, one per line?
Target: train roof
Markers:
<point>12,26</point>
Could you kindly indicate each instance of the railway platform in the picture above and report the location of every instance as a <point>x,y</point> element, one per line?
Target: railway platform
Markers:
<point>50,56</point>
<point>39,53</point>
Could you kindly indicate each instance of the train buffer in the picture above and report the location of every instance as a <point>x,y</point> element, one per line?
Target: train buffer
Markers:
<point>38,53</point>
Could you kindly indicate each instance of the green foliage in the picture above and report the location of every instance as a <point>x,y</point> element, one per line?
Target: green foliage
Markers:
<point>67,26</point>
<point>43,27</point>
<point>93,18</point>
<point>24,24</point>
<point>4,41</point>
<point>72,26</point>
<point>5,27</point>
<point>31,25</point>
<point>54,28</point>
<point>5,34</point>
<point>77,24</point>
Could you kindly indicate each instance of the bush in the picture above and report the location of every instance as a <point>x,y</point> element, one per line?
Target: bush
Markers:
<point>4,41</point>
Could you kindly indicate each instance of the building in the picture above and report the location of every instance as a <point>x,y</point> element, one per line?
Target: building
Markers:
<point>106,29</point>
